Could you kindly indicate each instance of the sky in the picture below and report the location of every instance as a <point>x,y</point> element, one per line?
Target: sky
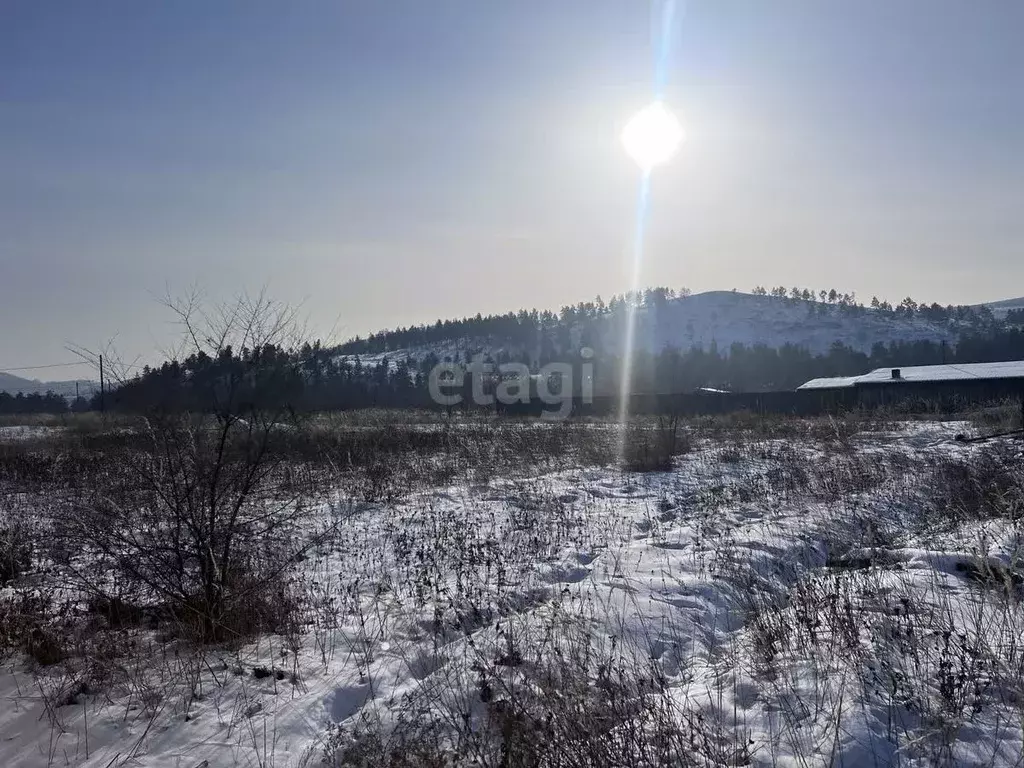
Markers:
<point>388,163</point>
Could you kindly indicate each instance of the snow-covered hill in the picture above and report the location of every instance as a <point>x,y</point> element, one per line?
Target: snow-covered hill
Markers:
<point>1000,308</point>
<point>724,318</point>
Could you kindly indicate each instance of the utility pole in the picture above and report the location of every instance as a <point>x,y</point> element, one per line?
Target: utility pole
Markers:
<point>103,394</point>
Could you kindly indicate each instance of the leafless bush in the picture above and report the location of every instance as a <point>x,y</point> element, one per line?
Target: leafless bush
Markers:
<point>569,700</point>
<point>15,550</point>
<point>381,461</point>
<point>202,512</point>
<point>1002,417</point>
<point>984,485</point>
<point>201,523</point>
<point>652,448</point>
<point>837,429</point>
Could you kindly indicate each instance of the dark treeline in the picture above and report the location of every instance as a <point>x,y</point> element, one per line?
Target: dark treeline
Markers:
<point>524,328</point>
<point>39,403</point>
<point>314,379</point>
<point>765,369</point>
<point>268,378</point>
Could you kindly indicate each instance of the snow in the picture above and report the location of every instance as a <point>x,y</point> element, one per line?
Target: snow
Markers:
<point>1002,308</point>
<point>666,564</point>
<point>922,373</point>
<point>1005,370</point>
<point>25,432</point>
<point>724,318</point>
<point>835,382</point>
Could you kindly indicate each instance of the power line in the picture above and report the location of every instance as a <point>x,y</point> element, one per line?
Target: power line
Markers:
<point>63,365</point>
<point>40,367</point>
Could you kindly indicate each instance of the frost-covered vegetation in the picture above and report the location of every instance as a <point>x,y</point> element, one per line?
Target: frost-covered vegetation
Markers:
<point>406,589</point>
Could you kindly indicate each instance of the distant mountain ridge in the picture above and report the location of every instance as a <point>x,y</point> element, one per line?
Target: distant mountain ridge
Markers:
<point>1000,308</point>
<point>15,384</point>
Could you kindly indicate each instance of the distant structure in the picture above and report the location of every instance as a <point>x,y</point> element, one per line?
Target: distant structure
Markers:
<point>942,384</point>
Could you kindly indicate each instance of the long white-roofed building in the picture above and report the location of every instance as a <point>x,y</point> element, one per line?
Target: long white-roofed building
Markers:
<point>964,382</point>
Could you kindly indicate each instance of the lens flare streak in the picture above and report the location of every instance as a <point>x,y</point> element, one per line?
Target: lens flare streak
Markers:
<point>668,13</point>
<point>637,252</point>
<point>662,57</point>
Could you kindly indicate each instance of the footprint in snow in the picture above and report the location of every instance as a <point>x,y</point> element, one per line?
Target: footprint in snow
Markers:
<point>567,574</point>
<point>345,701</point>
<point>586,558</point>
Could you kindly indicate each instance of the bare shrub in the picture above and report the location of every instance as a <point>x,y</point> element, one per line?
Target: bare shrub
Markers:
<point>1002,417</point>
<point>15,550</point>
<point>34,625</point>
<point>197,523</point>
<point>201,514</point>
<point>652,448</point>
<point>985,485</point>
<point>377,460</point>
<point>569,700</point>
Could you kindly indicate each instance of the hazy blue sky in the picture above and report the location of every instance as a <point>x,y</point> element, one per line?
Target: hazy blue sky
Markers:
<point>392,162</point>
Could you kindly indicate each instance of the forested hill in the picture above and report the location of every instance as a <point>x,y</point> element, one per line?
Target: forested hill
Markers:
<point>728,341</point>
<point>1006,305</point>
<point>668,319</point>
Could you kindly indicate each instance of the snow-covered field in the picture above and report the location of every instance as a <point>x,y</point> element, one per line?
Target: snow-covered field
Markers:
<point>853,600</point>
<point>23,432</point>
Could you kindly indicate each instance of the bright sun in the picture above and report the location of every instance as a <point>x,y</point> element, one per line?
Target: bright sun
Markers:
<point>652,136</point>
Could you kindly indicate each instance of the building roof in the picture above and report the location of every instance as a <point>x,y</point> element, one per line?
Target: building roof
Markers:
<point>838,382</point>
<point>925,373</point>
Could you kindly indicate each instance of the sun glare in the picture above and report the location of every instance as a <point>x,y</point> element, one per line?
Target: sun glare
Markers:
<point>652,136</point>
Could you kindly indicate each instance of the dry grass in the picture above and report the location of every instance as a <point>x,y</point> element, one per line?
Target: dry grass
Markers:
<point>839,635</point>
